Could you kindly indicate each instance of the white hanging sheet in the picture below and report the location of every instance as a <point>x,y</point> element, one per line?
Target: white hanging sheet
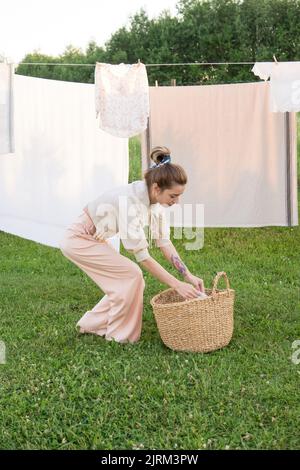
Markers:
<point>62,159</point>
<point>6,108</point>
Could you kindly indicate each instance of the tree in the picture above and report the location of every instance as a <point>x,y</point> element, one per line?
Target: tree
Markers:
<point>202,31</point>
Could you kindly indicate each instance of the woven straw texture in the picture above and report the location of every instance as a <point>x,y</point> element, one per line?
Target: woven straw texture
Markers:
<point>197,325</point>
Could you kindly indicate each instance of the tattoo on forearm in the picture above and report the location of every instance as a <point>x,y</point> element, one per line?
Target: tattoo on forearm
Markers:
<point>178,264</point>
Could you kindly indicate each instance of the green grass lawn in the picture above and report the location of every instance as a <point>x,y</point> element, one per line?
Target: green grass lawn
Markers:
<point>60,390</point>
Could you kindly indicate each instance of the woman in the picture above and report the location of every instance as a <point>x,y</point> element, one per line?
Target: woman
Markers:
<point>127,210</point>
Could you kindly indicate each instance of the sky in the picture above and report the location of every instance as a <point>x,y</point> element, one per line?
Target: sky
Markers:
<point>48,26</point>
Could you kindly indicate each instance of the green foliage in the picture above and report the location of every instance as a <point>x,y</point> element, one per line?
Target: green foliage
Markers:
<point>135,161</point>
<point>71,55</point>
<point>202,31</point>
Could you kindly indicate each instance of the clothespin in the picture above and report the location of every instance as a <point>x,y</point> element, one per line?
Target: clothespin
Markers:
<point>156,83</point>
<point>139,61</point>
<point>274,57</point>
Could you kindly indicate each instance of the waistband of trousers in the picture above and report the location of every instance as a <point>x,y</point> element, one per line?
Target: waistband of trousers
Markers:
<point>85,209</point>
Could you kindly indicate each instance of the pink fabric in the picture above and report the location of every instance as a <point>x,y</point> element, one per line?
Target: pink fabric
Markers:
<point>234,151</point>
<point>118,315</point>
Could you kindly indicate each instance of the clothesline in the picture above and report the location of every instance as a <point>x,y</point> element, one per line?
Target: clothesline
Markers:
<point>147,65</point>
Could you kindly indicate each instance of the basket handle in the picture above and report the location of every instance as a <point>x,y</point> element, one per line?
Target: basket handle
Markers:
<point>216,280</point>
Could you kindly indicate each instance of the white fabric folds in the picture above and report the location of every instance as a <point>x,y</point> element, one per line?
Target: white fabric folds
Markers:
<point>240,158</point>
<point>62,160</point>
<point>284,84</point>
<point>6,108</point>
<point>122,98</point>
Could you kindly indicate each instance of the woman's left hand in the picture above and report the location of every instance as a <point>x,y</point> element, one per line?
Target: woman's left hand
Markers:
<point>196,281</point>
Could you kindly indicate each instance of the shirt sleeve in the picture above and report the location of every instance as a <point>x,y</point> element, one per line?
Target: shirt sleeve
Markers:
<point>262,69</point>
<point>138,247</point>
<point>162,229</point>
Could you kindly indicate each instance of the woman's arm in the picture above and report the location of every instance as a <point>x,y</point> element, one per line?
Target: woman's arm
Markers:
<point>170,253</point>
<point>185,289</point>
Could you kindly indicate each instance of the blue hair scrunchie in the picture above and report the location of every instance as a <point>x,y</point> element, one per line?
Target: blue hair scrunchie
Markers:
<point>166,159</point>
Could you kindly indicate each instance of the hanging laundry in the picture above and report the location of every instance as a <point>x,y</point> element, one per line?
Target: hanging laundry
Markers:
<point>240,158</point>
<point>284,84</point>
<point>122,98</point>
<point>6,108</point>
<point>62,160</point>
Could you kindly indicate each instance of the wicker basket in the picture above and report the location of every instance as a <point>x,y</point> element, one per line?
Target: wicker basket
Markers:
<point>195,325</point>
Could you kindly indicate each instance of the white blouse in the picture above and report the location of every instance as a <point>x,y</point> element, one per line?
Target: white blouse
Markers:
<point>122,98</point>
<point>127,210</point>
<point>284,84</point>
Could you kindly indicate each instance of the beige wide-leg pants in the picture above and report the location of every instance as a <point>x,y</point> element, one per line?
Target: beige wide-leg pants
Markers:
<point>118,315</point>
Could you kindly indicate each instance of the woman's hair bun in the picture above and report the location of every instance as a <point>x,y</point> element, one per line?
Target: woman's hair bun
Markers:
<point>162,172</point>
<point>158,153</point>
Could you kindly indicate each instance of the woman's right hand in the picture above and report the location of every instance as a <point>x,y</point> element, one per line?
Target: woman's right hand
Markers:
<point>186,290</point>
